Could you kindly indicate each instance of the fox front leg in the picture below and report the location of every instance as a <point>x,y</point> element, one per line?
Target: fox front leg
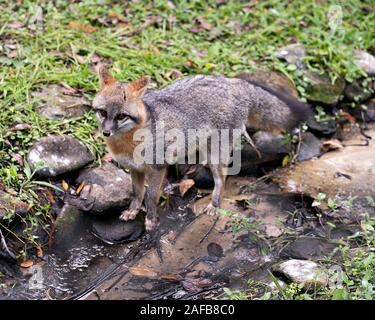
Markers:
<point>138,180</point>
<point>155,187</point>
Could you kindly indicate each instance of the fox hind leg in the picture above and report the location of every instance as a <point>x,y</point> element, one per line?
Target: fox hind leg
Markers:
<point>219,176</point>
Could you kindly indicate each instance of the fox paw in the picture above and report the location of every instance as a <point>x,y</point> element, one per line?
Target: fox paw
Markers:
<point>210,210</point>
<point>151,224</point>
<point>129,214</point>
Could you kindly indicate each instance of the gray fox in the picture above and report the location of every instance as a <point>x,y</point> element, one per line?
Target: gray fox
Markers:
<point>210,102</point>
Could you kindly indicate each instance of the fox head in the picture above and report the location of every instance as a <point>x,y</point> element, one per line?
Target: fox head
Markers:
<point>118,106</point>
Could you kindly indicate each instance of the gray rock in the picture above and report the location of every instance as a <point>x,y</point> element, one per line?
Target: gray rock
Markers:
<point>308,248</point>
<point>274,80</point>
<point>114,230</point>
<point>365,61</point>
<point>310,147</point>
<point>57,105</point>
<point>308,273</point>
<point>293,54</point>
<point>338,174</point>
<point>368,114</point>
<point>66,224</point>
<point>321,89</point>
<point>58,154</point>
<point>356,92</point>
<point>107,188</point>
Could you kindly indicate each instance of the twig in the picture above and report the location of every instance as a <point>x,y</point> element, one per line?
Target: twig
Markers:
<point>209,231</point>
<point>4,244</point>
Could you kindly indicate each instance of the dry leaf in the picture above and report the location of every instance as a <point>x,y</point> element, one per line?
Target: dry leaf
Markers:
<point>20,127</point>
<point>171,235</point>
<point>185,185</point>
<point>143,272</point>
<point>65,185</point>
<point>332,144</point>
<point>81,26</point>
<point>18,158</point>
<point>16,24</point>
<point>39,251</point>
<point>80,187</point>
<point>107,158</point>
<point>26,264</point>
<point>286,160</point>
<point>49,196</point>
<point>171,277</point>
<point>348,116</point>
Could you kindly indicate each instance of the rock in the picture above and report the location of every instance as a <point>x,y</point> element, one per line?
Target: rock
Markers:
<point>66,224</point>
<point>58,154</point>
<point>270,146</point>
<point>308,248</point>
<point>274,80</point>
<point>114,230</point>
<point>321,89</point>
<point>10,205</point>
<point>365,61</point>
<point>293,54</point>
<point>339,174</point>
<point>367,115</point>
<point>107,187</point>
<point>310,147</point>
<point>58,105</point>
<point>356,92</point>
<point>308,273</point>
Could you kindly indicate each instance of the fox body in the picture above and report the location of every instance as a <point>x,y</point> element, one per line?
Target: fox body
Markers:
<point>197,102</point>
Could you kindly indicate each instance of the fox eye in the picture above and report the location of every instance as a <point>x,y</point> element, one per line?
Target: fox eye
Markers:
<point>103,113</point>
<point>121,116</point>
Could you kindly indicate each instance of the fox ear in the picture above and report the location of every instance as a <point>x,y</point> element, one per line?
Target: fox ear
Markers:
<point>105,77</point>
<point>138,87</point>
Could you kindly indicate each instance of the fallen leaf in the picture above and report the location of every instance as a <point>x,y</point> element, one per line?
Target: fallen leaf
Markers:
<point>81,26</point>
<point>286,160</point>
<point>272,231</point>
<point>195,285</point>
<point>348,117</point>
<point>39,251</point>
<point>79,189</point>
<point>65,185</point>
<point>171,235</point>
<point>174,74</point>
<point>332,144</point>
<point>107,157</point>
<point>16,24</point>
<point>118,17</point>
<point>20,127</point>
<point>26,264</point>
<point>185,185</point>
<point>49,195</point>
<point>143,272</point>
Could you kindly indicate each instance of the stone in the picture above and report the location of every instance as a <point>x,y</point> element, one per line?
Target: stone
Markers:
<point>339,174</point>
<point>58,154</point>
<point>310,147</point>
<point>321,89</point>
<point>308,248</point>
<point>108,187</point>
<point>308,273</point>
<point>367,114</point>
<point>274,80</point>
<point>66,224</point>
<point>57,105</point>
<point>365,61</point>
<point>114,231</point>
<point>356,92</point>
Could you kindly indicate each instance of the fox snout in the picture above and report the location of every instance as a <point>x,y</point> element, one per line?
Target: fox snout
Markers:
<point>108,128</point>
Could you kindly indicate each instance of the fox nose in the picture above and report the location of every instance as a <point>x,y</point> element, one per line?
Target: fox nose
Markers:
<point>106,133</point>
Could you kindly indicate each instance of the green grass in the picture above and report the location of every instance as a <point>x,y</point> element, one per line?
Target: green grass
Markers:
<point>237,37</point>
